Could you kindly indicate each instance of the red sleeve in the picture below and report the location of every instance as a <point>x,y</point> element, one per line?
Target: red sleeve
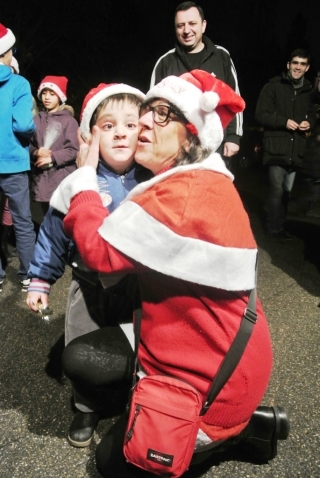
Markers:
<point>85,216</point>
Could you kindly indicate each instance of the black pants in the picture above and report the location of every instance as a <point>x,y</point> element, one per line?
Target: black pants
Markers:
<point>100,364</point>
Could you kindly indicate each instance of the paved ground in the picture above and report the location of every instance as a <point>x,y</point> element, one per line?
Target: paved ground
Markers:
<point>35,405</point>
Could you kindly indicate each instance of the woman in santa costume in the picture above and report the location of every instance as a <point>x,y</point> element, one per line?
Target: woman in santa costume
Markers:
<point>187,236</point>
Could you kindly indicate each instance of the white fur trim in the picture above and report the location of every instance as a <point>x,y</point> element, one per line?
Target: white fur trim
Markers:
<point>94,102</point>
<point>7,42</point>
<point>82,179</point>
<point>161,249</point>
<point>53,87</point>
<point>209,101</point>
<point>187,98</point>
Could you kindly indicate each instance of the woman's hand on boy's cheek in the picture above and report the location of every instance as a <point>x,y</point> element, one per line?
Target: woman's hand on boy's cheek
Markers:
<point>82,155</point>
<point>89,155</point>
<point>81,139</point>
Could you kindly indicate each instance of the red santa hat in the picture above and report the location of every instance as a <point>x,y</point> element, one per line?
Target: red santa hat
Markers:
<point>7,39</point>
<point>58,84</point>
<point>97,95</point>
<point>208,103</point>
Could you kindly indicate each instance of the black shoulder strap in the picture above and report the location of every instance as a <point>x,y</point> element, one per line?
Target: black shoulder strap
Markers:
<point>235,352</point>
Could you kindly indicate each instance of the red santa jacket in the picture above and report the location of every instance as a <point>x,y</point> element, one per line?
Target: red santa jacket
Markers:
<point>187,235</point>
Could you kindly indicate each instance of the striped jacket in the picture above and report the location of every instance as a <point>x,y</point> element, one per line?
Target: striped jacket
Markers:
<point>216,61</point>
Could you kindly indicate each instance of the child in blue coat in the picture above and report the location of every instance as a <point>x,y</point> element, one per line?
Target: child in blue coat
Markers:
<point>114,109</point>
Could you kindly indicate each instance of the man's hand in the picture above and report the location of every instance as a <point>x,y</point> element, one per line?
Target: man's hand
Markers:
<point>34,298</point>
<point>304,126</point>
<point>292,125</point>
<point>88,155</point>
<point>230,149</point>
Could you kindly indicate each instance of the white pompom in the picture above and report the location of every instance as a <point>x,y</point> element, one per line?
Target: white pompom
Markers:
<point>209,101</point>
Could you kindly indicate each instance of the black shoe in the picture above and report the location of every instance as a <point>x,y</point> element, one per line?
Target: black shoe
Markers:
<point>280,236</point>
<point>266,427</point>
<point>82,428</point>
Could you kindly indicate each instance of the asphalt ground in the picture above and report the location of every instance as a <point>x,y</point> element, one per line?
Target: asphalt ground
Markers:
<point>35,399</point>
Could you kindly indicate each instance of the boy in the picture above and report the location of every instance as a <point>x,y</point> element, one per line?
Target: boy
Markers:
<point>114,109</point>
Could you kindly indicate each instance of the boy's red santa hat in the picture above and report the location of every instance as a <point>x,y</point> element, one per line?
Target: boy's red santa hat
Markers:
<point>58,84</point>
<point>208,103</point>
<point>97,95</point>
<point>7,39</point>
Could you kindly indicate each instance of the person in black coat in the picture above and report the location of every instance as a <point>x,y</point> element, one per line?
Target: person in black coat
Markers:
<point>285,111</point>
<point>310,169</point>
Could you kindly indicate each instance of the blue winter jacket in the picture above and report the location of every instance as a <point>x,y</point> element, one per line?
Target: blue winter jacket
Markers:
<point>16,122</point>
<point>54,250</point>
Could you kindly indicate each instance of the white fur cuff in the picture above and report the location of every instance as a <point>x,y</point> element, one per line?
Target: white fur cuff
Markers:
<point>82,179</point>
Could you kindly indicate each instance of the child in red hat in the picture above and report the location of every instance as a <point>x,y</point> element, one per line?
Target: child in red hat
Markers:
<point>114,110</point>
<point>54,146</point>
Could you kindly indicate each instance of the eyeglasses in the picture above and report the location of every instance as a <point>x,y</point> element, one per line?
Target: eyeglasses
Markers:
<point>302,63</point>
<point>160,113</point>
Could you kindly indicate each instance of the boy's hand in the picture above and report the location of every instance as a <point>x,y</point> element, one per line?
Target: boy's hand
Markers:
<point>89,155</point>
<point>34,297</point>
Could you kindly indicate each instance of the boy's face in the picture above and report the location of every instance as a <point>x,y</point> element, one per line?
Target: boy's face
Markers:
<point>50,100</point>
<point>118,124</point>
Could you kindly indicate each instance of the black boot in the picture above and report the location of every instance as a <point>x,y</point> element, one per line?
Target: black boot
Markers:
<point>267,425</point>
<point>82,428</point>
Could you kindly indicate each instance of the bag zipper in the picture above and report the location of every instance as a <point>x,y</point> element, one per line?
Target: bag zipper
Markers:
<point>130,432</point>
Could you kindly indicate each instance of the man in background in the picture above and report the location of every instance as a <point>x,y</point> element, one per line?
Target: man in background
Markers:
<point>285,111</point>
<point>193,51</point>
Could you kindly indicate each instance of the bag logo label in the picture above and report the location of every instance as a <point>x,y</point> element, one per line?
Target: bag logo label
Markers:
<point>161,458</point>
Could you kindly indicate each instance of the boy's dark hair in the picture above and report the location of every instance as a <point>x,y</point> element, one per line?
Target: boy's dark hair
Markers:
<point>301,53</point>
<point>118,98</point>
<point>186,6</point>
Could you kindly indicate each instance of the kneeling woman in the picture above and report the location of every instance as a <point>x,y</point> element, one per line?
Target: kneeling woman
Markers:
<point>187,236</point>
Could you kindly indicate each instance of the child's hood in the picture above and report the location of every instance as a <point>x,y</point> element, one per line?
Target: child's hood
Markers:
<point>64,107</point>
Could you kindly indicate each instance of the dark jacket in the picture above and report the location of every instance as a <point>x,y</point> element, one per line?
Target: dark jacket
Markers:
<point>64,150</point>
<point>311,162</point>
<point>278,102</point>
<point>216,61</point>
<point>54,249</point>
